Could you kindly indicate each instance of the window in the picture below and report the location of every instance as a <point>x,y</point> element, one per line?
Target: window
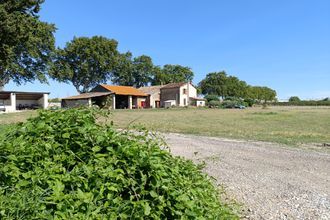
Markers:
<point>184,102</point>
<point>184,91</point>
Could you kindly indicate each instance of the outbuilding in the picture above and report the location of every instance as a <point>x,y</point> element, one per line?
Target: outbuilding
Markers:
<point>16,100</point>
<point>199,102</point>
<point>115,97</point>
<point>86,99</point>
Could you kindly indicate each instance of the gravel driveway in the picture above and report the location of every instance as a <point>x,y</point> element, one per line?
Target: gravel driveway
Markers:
<point>270,180</point>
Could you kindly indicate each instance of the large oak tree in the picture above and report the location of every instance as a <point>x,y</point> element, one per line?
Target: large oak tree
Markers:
<point>172,74</point>
<point>86,62</point>
<point>26,43</point>
<point>261,94</point>
<point>135,72</point>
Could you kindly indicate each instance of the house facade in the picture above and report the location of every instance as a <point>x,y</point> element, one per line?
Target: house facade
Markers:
<point>153,99</point>
<point>182,94</point>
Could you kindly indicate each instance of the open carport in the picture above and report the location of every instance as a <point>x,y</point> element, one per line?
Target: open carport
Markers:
<point>15,100</point>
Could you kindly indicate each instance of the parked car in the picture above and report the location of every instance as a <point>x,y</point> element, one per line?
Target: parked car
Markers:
<point>2,107</point>
<point>240,106</point>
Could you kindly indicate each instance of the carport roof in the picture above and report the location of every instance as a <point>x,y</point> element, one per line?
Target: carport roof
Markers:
<point>22,95</point>
<point>87,95</point>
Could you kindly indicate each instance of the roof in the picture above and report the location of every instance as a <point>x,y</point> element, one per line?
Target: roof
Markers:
<point>124,90</point>
<point>198,99</point>
<point>22,95</point>
<point>20,92</point>
<point>87,95</point>
<point>151,89</point>
<point>173,85</point>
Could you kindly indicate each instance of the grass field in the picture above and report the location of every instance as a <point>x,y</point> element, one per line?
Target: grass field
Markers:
<point>287,125</point>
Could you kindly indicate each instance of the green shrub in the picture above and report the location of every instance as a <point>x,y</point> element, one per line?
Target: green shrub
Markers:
<point>249,102</point>
<point>294,99</point>
<point>211,97</point>
<point>231,103</point>
<point>64,165</point>
<point>214,103</point>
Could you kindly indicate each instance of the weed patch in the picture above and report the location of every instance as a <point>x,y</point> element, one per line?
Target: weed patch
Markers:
<point>63,165</point>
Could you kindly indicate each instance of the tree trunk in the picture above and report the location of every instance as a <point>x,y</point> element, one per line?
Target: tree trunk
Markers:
<point>3,80</point>
<point>2,84</point>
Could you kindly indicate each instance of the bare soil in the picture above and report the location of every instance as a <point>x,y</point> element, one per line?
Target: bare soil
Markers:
<point>271,181</point>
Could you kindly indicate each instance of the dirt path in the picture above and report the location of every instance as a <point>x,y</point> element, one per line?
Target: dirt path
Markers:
<point>272,181</point>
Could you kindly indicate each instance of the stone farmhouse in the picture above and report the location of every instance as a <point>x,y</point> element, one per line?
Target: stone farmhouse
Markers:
<point>127,97</point>
<point>179,94</point>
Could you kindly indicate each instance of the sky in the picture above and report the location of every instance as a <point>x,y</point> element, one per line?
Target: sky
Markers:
<point>282,44</point>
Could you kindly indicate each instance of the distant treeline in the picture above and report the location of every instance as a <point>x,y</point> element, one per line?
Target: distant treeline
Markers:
<point>295,101</point>
<point>303,103</point>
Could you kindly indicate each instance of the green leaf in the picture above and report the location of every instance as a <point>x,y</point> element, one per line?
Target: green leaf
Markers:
<point>147,209</point>
<point>153,194</point>
<point>66,135</point>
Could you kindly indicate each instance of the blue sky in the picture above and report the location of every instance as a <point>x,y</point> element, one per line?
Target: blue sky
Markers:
<point>281,44</point>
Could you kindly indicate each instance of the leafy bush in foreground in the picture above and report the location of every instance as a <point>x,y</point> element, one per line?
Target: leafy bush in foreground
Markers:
<point>64,165</point>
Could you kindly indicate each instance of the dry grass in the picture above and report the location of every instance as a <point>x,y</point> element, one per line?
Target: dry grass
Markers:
<point>288,125</point>
<point>10,118</point>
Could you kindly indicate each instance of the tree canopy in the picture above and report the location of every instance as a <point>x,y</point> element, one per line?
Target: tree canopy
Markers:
<point>85,62</point>
<point>26,43</point>
<point>218,83</point>
<point>294,99</point>
<point>172,74</point>
<point>136,71</point>
<point>261,93</point>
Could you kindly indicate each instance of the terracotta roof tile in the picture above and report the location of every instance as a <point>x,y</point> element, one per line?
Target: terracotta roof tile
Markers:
<point>124,90</point>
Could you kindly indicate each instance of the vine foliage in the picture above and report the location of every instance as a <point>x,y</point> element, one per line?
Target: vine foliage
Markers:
<point>63,165</point>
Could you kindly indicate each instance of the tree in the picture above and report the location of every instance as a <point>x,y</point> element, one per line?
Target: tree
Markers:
<point>135,72</point>
<point>86,62</point>
<point>222,85</point>
<point>142,70</point>
<point>159,77</point>
<point>214,83</point>
<point>294,99</point>
<point>26,43</point>
<point>218,83</point>
<point>261,94</point>
<point>235,87</point>
<point>122,73</point>
<point>269,94</point>
<point>172,74</point>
